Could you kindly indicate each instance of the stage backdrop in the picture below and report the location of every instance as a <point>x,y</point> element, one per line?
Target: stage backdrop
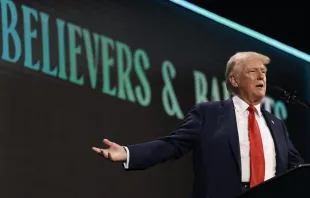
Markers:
<point>74,72</point>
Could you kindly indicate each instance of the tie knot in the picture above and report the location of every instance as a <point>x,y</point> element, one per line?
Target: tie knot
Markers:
<point>251,109</point>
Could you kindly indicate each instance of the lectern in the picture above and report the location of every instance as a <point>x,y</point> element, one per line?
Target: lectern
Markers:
<point>293,184</point>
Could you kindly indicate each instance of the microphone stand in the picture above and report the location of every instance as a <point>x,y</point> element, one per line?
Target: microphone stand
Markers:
<point>290,98</point>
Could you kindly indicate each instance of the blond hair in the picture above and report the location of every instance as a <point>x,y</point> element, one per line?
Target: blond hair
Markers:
<point>237,60</point>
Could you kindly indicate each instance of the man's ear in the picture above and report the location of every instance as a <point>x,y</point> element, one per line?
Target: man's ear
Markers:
<point>233,81</point>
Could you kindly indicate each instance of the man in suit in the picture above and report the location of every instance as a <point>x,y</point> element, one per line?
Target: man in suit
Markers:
<point>235,143</point>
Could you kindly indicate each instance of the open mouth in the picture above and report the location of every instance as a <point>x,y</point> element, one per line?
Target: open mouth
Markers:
<point>260,85</point>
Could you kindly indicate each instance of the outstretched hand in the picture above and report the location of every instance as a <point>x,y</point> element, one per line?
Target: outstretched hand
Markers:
<point>114,152</point>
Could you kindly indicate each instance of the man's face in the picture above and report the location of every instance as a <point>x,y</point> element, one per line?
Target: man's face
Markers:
<point>251,80</point>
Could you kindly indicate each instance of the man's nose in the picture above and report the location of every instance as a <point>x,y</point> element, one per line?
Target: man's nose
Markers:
<point>260,75</point>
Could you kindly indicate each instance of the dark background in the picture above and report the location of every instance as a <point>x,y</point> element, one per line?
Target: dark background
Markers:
<point>48,126</point>
<point>286,22</point>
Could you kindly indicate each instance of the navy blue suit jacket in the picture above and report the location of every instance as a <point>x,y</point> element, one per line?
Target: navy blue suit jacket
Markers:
<point>210,131</point>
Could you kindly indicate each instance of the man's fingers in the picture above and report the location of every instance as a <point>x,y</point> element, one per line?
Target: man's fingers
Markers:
<point>107,142</point>
<point>97,150</point>
<point>102,152</point>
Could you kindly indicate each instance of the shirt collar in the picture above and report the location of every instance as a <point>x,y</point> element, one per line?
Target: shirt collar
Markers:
<point>242,106</point>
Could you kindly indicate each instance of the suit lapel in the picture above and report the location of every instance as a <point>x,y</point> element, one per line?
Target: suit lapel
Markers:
<point>229,125</point>
<point>277,140</point>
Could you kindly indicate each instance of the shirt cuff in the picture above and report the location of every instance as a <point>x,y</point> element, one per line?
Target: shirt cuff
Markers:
<point>126,164</point>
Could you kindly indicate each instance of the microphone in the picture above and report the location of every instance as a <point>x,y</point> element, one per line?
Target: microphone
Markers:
<point>289,97</point>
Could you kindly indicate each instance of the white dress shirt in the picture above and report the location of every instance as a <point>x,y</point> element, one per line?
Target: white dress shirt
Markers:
<point>269,149</point>
<point>242,125</point>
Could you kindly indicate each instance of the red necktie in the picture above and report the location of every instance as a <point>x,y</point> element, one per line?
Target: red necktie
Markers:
<point>257,160</point>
